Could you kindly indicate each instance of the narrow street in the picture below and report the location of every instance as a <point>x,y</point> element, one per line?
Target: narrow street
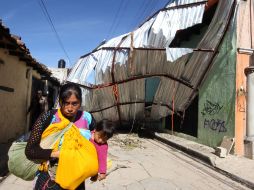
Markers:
<point>147,164</point>
<point>144,164</point>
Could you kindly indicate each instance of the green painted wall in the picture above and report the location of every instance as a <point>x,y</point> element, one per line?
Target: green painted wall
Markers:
<point>217,95</point>
<point>151,88</point>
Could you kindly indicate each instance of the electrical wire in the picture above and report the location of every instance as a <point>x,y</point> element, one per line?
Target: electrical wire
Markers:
<point>139,15</point>
<point>120,16</point>
<point>115,18</point>
<point>146,9</point>
<point>145,12</point>
<point>135,18</point>
<point>48,18</point>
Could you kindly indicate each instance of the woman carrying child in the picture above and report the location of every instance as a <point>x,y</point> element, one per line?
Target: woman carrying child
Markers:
<point>68,159</point>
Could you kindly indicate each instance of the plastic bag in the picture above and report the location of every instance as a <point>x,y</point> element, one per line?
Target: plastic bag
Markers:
<point>24,168</point>
<point>18,164</point>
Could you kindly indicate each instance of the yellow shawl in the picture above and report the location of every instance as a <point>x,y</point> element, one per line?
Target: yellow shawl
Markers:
<point>78,157</point>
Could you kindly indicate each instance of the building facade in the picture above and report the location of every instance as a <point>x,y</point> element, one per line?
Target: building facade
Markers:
<point>20,76</point>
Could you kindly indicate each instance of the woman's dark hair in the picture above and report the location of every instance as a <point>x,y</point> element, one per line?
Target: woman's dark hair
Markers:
<point>68,89</point>
<point>106,127</point>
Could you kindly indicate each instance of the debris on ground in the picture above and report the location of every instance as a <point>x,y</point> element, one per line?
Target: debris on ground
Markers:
<point>129,141</point>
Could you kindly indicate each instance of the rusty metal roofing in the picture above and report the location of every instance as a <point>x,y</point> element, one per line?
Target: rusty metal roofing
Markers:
<point>117,76</point>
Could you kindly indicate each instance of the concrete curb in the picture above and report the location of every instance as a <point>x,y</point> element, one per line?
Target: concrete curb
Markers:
<point>205,159</point>
<point>234,177</point>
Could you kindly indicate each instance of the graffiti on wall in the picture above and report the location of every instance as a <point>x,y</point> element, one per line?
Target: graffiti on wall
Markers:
<point>215,125</point>
<point>211,110</point>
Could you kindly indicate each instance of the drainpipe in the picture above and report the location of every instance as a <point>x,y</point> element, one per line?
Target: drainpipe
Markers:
<point>28,100</point>
<point>249,72</point>
<point>249,140</point>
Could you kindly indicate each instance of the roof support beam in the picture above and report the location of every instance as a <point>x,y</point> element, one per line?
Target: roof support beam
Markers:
<point>138,102</point>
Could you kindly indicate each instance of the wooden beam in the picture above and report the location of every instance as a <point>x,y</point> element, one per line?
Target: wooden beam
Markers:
<point>7,89</point>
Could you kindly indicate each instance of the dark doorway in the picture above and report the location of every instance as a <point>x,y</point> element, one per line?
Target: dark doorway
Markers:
<point>189,123</point>
<point>34,108</point>
<point>151,86</point>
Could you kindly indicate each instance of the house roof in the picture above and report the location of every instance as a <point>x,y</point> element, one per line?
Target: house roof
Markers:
<point>17,47</point>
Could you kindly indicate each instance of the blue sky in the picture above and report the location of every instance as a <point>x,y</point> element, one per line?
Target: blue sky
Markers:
<point>80,24</point>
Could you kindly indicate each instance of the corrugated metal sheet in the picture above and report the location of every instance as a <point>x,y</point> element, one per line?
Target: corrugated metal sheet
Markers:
<point>121,66</point>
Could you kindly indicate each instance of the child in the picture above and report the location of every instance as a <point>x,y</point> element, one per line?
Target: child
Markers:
<point>103,131</point>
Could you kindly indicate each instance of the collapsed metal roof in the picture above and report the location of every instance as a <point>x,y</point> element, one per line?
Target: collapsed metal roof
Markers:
<point>138,75</point>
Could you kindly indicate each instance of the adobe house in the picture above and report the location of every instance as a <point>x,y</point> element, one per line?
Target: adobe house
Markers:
<point>182,70</point>
<point>20,76</point>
